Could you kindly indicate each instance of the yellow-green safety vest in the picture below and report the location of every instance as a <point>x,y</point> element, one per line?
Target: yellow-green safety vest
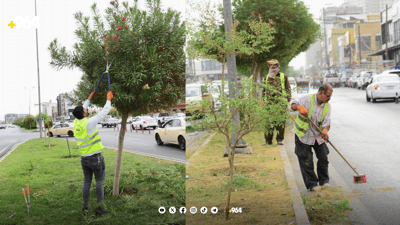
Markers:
<point>86,143</point>
<point>301,123</point>
<point>282,76</point>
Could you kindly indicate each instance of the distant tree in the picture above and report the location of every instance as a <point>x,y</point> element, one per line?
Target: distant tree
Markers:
<point>29,121</point>
<point>146,48</point>
<point>114,112</point>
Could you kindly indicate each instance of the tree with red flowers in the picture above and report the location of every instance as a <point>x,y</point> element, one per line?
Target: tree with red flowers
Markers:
<point>148,61</point>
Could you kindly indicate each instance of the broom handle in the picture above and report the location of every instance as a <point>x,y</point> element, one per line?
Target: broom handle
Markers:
<point>333,147</point>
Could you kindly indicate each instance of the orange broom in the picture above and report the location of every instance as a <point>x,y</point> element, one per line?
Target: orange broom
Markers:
<point>359,178</point>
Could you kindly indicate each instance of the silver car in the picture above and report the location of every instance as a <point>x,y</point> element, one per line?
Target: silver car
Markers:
<point>383,87</point>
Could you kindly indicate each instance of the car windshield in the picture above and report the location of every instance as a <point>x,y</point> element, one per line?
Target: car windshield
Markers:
<point>192,91</point>
<point>387,78</point>
<point>368,74</point>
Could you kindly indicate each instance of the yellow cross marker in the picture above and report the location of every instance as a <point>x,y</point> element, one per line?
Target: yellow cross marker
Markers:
<point>12,24</point>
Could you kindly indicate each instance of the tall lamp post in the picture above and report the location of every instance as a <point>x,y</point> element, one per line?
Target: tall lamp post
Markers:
<point>29,98</point>
<point>37,53</point>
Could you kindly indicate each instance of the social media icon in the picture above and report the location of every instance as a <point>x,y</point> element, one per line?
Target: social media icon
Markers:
<point>182,210</point>
<point>172,210</point>
<point>203,210</point>
<point>214,210</point>
<point>193,210</point>
<point>161,210</point>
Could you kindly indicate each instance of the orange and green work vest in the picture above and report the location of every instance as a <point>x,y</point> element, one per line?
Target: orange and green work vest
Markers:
<point>282,76</point>
<point>301,123</point>
<point>86,143</point>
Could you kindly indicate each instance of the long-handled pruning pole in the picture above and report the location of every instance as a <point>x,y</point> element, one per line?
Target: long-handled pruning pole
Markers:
<point>29,200</point>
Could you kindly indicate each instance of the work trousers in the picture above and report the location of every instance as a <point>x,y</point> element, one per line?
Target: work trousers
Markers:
<point>279,136</point>
<point>93,165</point>
<point>305,157</point>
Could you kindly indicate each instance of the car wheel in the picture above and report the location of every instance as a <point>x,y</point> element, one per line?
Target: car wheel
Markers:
<point>358,87</point>
<point>133,127</point>
<point>373,99</point>
<point>58,136</point>
<point>182,143</point>
<point>102,126</point>
<point>50,134</point>
<point>158,140</point>
<point>368,98</point>
<point>70,133</point>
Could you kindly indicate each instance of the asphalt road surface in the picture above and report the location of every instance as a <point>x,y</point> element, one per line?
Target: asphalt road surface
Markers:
<point>11,137</point>
<point>141,143</point>
<point>367,134</point>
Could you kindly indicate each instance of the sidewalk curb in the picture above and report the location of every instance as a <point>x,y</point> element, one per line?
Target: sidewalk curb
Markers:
<point>188,161</point>
<point>298,206</point>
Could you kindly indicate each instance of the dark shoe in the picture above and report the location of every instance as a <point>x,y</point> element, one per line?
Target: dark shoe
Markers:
<point>270,143</point>
<point>101,210</point>
<point>85,211</point>
<point>280,142</point>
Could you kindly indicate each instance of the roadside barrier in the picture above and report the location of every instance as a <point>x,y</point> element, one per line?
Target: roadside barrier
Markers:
<point>149,129</point>
<point>142,130</point>
<point>131,129</point>
<point>136,129</point>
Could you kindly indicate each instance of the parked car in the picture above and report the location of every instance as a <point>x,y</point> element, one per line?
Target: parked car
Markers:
<point>173,131</point>
<point>143,122</point>
<point>161,118</point>
<point>110,122</point>
<point>2,126</point>
<point>385,86</point>
<point>194,94</point>
<point>61,129</point>
<point>332,79</point>
<point>345,77</point>
<point>177,115</point>
<point>353,79</point>
<point>363,79</point>
<point>292,83</point>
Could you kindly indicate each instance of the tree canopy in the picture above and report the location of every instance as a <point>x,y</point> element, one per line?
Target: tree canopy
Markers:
<point>294,25</point>
<point>146,51</point>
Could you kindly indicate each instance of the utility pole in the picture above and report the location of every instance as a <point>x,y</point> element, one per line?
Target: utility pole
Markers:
<point>37,54</point>
<point>359,42</point>
<point>386,35</point>
<point>326,44</point>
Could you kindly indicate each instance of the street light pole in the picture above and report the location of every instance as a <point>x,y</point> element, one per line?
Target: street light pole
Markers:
<point>37,53</point>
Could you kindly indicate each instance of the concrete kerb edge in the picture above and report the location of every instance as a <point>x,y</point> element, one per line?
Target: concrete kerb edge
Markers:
<point>298,206</point>
<point>14,147</point>
<point>202,145</point>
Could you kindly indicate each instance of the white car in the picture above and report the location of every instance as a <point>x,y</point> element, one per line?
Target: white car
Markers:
<point>143,122</point>
<point>173,131</point>
<point>383,87</point>
<point>177,115</point>
<point>363,79</point>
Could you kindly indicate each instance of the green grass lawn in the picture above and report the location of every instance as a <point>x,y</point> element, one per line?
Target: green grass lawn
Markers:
<point>55,179</point>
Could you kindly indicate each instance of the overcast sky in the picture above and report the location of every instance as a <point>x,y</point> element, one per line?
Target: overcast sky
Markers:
<point>18,65</point>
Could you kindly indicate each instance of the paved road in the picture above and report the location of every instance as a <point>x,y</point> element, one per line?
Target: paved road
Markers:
<point>367,134</point>
<point>10,137</point>
<point>142,143</point>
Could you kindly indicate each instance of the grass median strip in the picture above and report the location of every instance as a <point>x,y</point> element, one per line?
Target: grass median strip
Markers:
<point>260,186</point>
<point>55,179</point>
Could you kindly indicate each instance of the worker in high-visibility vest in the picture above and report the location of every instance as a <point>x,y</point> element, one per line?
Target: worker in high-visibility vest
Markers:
<point>89,145</point>
<point>280,82</point>
<point>317,108</point>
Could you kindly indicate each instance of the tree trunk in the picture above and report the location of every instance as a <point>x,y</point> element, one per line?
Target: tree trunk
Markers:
<point>119,156</point>
<point>231,157</point>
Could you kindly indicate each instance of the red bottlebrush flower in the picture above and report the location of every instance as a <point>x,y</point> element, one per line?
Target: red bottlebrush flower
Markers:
<point>123,19</point>
<point>115,38</point>
<point>154,172</point>
<point>116,1</point>
<point>119,28</point>
<point>126,26</point>
<point>150,203</point>
<point>111,2</point>
<point>112,25</point>
<point>104,36</point>
<point>108,37</point>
